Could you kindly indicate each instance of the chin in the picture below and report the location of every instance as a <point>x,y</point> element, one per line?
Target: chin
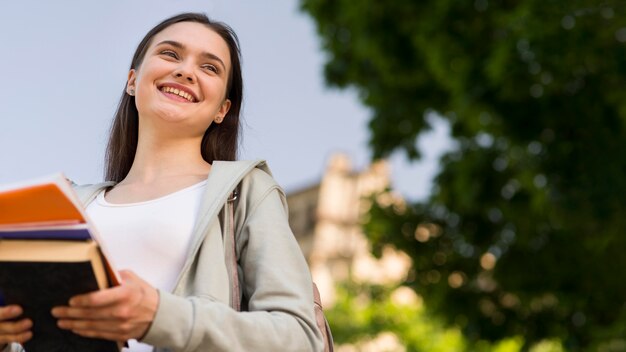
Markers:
<point>170,114</point>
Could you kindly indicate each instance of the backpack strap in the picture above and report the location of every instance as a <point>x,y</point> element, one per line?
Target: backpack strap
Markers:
<point>229,230</point>
<point>321,321</point>
<point>231,253</point>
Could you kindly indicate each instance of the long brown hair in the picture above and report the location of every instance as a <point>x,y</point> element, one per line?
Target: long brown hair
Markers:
<point>220,141</point>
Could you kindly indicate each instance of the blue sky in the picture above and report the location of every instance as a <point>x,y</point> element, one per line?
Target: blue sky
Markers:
<point>65,64</point>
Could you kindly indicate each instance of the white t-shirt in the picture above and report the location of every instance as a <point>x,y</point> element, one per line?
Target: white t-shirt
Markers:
<point>150,238</point>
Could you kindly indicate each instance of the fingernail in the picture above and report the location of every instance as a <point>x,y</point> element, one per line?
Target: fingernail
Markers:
<point>55,311</point>
<point>62,324</point>
<point>26,336</point>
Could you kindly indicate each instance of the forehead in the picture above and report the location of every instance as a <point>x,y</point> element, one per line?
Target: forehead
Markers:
<point>197,38</point>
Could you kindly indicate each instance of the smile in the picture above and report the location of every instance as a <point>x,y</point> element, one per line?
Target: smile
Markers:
<point>178,92</point>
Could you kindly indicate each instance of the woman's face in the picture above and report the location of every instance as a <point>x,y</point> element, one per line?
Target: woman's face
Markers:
<point>181,83</point>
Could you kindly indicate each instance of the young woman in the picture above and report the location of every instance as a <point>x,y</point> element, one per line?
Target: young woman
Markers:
<point>177,121</point>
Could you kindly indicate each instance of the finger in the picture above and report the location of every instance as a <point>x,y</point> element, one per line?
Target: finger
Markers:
<point>126,309</point>
<point>99,313</point>
<point>19,338</point>
<point>105,326</point>
<point>100,298</point>
<point>113,312</point>
<point>17,327</point>
<point>129,275</point>
<point>102,335</point>
<point>109,330</point>
<point>10,312</point>
<point>122,309</point>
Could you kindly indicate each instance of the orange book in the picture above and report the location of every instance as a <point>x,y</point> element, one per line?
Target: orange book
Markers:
<point>44,201</point>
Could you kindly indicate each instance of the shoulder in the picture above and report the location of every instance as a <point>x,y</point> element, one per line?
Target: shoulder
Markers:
<point>87,192</point>
<point>257,185</point>
<point>251,175</point>
<point>260,179</point>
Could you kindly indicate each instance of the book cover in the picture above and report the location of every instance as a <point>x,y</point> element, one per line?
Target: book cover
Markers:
<point>50,252</point>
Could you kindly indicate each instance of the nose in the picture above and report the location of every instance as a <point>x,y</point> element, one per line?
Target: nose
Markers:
<point>184,76</point>
<point>184,72</point>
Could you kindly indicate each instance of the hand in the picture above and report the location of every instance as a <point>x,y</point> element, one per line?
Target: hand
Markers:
<point>119,313</point>
<point>13,331</point>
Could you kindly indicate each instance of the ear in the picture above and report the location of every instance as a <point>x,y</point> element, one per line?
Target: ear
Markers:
<point>130,83</point>
<point>221,113</point>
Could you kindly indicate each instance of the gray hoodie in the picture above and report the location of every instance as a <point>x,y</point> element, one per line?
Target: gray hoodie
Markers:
<point>274,277</point>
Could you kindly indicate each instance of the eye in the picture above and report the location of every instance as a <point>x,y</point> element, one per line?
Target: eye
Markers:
<point>210,67</point>
<point>169,53</point>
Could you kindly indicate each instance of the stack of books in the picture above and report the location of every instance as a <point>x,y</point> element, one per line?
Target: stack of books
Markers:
<point>49,252</point>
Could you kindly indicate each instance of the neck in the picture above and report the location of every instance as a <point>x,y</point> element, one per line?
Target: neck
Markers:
<point>160,157</point>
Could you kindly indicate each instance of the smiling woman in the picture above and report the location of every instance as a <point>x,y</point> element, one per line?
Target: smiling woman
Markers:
<point>195,52</point>
<point>170,168</point>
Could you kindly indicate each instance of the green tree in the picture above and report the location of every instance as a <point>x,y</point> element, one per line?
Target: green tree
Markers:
<point>524,232</point>
<point>365,312</point>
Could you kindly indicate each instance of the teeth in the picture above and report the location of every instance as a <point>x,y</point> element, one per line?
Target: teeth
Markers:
<point>178,92</point>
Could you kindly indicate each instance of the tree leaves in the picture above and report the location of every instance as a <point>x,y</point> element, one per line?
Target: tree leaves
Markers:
<point>530,203</point>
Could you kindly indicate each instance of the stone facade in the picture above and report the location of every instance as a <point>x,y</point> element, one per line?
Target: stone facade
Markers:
<point>326,219</point>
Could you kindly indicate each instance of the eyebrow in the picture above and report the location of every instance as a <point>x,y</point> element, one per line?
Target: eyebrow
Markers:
<point>205,54</point>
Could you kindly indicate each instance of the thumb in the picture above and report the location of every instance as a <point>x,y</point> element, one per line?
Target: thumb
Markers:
<point>128,276</point>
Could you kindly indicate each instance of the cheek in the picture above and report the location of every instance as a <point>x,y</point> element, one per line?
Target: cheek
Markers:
<point>215,89</point>
<point>145,86</point>
<point>205,121</point>
<point>142,100</point>
<point>142,92</point>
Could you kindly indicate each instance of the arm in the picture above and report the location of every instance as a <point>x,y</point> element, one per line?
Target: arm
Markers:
<point>277,278</point>
<point>277,283</point>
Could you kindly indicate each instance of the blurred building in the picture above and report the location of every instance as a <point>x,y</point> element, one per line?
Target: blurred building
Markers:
<point>326,219</point>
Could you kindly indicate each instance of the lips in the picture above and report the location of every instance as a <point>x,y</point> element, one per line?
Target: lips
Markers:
<point>179,90</point>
